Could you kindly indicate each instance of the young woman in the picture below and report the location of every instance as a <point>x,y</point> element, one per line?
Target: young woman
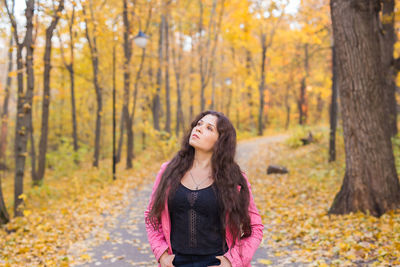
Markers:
<point>201,211</point>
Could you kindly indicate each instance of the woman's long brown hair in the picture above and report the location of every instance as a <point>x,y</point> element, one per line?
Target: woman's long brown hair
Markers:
<point>227,176</point>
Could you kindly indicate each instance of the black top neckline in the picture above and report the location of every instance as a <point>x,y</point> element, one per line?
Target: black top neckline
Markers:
<point>194,190</point>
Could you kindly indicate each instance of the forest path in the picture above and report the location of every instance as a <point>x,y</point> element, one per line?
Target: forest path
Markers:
<point>127,243</point>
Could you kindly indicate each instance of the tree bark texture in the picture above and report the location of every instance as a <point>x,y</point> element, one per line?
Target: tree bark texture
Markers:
<point>388,39</point>
<point>370,182</point>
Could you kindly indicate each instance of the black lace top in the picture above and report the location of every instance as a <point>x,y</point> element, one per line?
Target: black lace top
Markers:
<point>195,221</point>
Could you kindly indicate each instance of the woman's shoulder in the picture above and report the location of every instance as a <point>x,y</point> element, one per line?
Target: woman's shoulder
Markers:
<point>165,164</point>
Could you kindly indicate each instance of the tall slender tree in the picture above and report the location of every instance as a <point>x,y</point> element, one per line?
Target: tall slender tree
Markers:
<point>302,101</point>
<point>4,217</point>
<point>46,94</point>
<point>166,71</point>
<point>177,63</point>
<point>70,67</point>
<point>24,100</point>
<point>127,79</point>
<point>207,46</point>
<point>91,37</point>
<point>156,97</point>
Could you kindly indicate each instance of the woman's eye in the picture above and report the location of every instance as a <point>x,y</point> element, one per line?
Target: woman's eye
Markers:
<point>210,128</point>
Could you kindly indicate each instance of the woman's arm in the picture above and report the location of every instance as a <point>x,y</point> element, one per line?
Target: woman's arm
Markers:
<point>242,253</point>
<point>156,238</point>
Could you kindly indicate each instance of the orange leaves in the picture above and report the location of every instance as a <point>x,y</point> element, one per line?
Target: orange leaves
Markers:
<point>64,211</point>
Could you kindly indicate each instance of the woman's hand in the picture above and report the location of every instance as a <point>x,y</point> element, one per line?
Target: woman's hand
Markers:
<point>224,262</point>
<point>166,260</point>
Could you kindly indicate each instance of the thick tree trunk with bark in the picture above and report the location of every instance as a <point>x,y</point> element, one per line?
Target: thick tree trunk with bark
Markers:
<point>370,182</point>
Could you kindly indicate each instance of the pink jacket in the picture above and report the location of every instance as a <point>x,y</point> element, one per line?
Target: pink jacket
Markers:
<point>239,256</point>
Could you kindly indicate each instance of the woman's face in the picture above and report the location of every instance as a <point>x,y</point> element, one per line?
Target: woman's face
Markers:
<point>204,134</point>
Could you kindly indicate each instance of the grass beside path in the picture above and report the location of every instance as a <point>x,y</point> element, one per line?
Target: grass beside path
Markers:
<point>68,209</point>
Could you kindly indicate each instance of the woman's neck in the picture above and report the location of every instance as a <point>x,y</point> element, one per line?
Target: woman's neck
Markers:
<point>202,160</point>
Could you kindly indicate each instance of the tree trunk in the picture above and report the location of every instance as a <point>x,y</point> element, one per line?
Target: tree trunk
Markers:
<point>46,95</point>
<point>21,135</point>
<point>4,115</point>
<point>121,137</point>
<point>190,87</point>
<point>4,217</point>
<point>262,85</point>
<point>333,109</point>
<point>201,58</point>
<point>127,82</point>
<point>206,54</point>
<point>289,85</point>
<point>302,103</point>
<point>73,105</point>
<point>24,102</point>
<point>131,136</point>
<point>177,63</point>
<point>370,182</point>
<point>287,107</point>
<point>70,67</point>
<point>92,41</point>
<point>249,91</point>
<point>388,39</point>
<point>167,88</point>
<point>228,105</point>
<point>156,97</point>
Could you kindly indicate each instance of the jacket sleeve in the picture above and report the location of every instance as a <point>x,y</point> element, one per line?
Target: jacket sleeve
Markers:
<point>243,251</point>
<point>156,238</point>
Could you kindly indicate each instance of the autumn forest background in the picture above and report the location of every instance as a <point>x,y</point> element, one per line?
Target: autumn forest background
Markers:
<point>270,66</point>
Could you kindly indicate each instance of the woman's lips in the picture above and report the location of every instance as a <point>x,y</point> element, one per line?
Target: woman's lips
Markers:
<point>195,135</point>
